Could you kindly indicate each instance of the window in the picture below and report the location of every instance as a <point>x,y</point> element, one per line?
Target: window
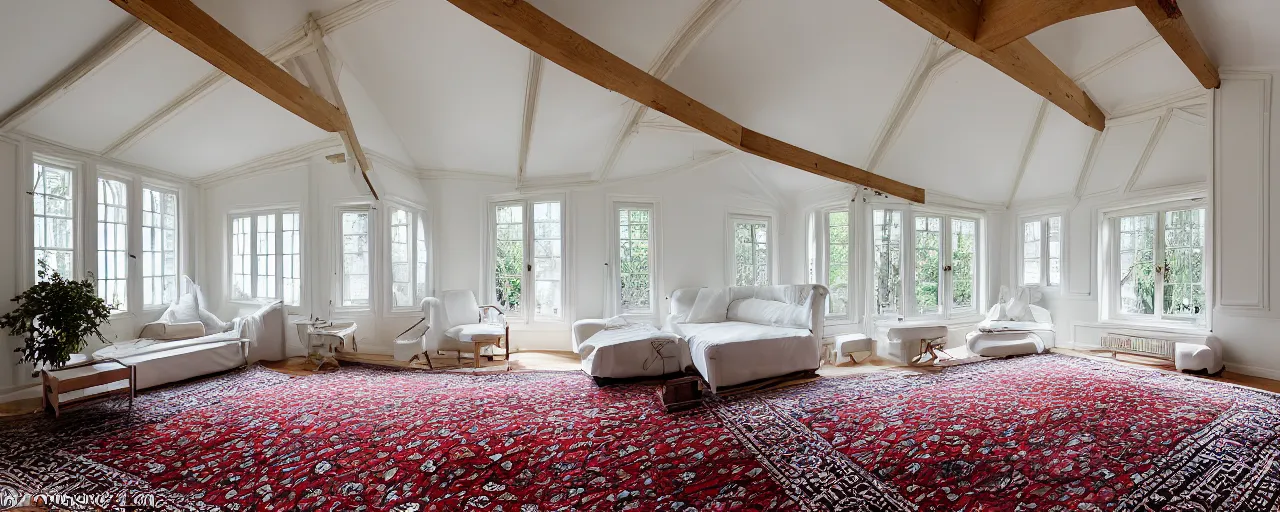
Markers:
<point>941,277</point>
<point>53,219</point>
<point>1157,264</point>
<point>886,240</point>
<point>266,257</point>
<point>113,243</point>
<point>354,225</point>
<point>527,248</point>
<point>408,258</point>
<point>750,263</point>
<point>1042,251</point>
<point>635,261</point>
<point>159,247</point>
<point>837,262</point>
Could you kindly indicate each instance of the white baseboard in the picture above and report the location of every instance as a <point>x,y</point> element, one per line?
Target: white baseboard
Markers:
<point>1253,371</point>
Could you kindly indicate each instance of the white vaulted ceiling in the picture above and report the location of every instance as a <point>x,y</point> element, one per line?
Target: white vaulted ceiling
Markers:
<point>433,89</point>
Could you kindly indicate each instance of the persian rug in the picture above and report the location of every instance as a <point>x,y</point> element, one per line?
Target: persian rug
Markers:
<point>1041,433</point>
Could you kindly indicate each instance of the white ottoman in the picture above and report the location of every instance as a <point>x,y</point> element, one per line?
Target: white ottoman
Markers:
<point>1004,344</point>
<point>628,351</point>
<point>1195,358</point>
<point>850,344</point>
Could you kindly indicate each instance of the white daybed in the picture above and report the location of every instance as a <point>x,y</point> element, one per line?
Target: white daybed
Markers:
<point>746,333</point>
<point>251,338</point>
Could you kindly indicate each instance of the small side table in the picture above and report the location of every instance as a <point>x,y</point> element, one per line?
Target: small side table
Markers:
<point>323,343</point>
<point>87,375</point>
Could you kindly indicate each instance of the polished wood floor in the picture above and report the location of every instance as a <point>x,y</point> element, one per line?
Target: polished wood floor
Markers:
<point>27,401</point>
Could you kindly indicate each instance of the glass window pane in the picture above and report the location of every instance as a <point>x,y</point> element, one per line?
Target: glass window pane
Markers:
<point>509,257</point>
<point>928,236</point>
<point>420,262</point>
<point>291,254</point>
<point>1137,264</point>
<point>159,247</point>
<point>1183,272</point>
<point>54,219</point>
<point>838,262</point>
<point>635,284</point>
<point>401,260</point>
<point>547,259</point>
<point>886,238</point>
<point>112,270</point>
<point>1031,252</point>
<point>964,261</point>
<point>355,258</point>
<point>751,252</point>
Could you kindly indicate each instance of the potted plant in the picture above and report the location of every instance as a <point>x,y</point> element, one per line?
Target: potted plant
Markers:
<point>55,317</point>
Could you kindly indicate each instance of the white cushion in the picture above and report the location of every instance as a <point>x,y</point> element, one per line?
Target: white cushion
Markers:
<point>711,306</point>
<point>184,310</point>
<point>769,312</point>
<point>460,306</point>
<point>180,331</point>
<point>466,331</point>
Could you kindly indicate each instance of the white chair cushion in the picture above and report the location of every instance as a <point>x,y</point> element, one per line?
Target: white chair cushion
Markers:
<point>711,306</point>
<point>466,331</point>
<point>183,311</point>
<point>460,307</point>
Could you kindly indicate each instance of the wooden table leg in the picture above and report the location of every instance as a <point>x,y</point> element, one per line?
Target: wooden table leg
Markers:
<point>476,347</point>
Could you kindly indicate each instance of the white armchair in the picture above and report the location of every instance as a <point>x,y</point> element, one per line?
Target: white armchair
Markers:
<point>453,320</point>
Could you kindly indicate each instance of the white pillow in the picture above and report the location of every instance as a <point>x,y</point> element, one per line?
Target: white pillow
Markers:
<point>1018,309</point>
<point>182,311</point>
<point>711,306</point>
<point>211,322</point>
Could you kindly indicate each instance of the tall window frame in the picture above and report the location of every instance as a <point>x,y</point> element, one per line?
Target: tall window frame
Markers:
<point>956,240</point>
<point>750,250</point>
<point>408,257</point>
<point>1161,220</point>
<point>530,230</point>
<point>634,249</point>
<point>113,259</point>
<point>161,243</point>
<point>1041,251</point>
<point>834,262</point>
<point>265,255</point>
<point>357,251</point>
<point>55,214</point>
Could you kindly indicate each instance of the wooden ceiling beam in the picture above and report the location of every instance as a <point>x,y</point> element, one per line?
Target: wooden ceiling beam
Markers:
<point>348,130</point>
<point>198,32</point>
<point>1005,21</point>
<point>543,34</point>
<point>1167,18</point>
<point>957,22</point>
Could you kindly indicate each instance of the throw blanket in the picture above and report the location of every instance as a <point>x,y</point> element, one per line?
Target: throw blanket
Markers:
<point>632,350</point>
<point>148,346</point>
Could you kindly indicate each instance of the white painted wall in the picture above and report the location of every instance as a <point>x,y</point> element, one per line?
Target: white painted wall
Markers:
<point>693,210</point>
<point>316,187</point>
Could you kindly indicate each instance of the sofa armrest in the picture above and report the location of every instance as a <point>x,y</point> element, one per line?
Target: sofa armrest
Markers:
<point>585,329</point>
<point>153,330</point>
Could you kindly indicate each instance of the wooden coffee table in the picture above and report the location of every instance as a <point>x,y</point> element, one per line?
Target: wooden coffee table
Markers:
<point>87,375</point>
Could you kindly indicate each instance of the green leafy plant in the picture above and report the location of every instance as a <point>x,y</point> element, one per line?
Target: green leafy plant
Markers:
<point>54,317</point>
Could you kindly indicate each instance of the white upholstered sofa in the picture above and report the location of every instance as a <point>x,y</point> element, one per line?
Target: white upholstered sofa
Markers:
<point>746,333</point>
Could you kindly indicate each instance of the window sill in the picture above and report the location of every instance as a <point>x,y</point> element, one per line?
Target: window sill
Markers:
<point>1138,325</point>
<point>885,323</point>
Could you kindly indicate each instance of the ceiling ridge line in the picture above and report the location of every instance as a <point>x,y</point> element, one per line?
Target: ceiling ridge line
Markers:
<point>53,146</point>
<point>690,165</point>
<point>273,161</point>
<point>294,43</point>
<point>907,101</point>
<point>1090,161</point>
<point>1033,138</point>
<point>1110,62</point>
<point>755,178</point>
<point>1191,96</point>
<point>115,45</point>
<point>678,48</point>
<point>1150,149</point>
<point>533,84</point>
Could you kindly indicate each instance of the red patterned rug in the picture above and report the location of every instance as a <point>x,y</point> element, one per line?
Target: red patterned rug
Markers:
<point>1035,433</point>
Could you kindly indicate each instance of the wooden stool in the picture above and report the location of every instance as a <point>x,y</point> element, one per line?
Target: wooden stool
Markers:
<point>83,376</point>
<point>479,341</point>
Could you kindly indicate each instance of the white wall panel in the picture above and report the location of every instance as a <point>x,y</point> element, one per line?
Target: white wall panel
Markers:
<point>1242,195</point>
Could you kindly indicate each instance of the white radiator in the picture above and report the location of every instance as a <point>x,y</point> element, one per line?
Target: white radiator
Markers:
<point>1139,345</point>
